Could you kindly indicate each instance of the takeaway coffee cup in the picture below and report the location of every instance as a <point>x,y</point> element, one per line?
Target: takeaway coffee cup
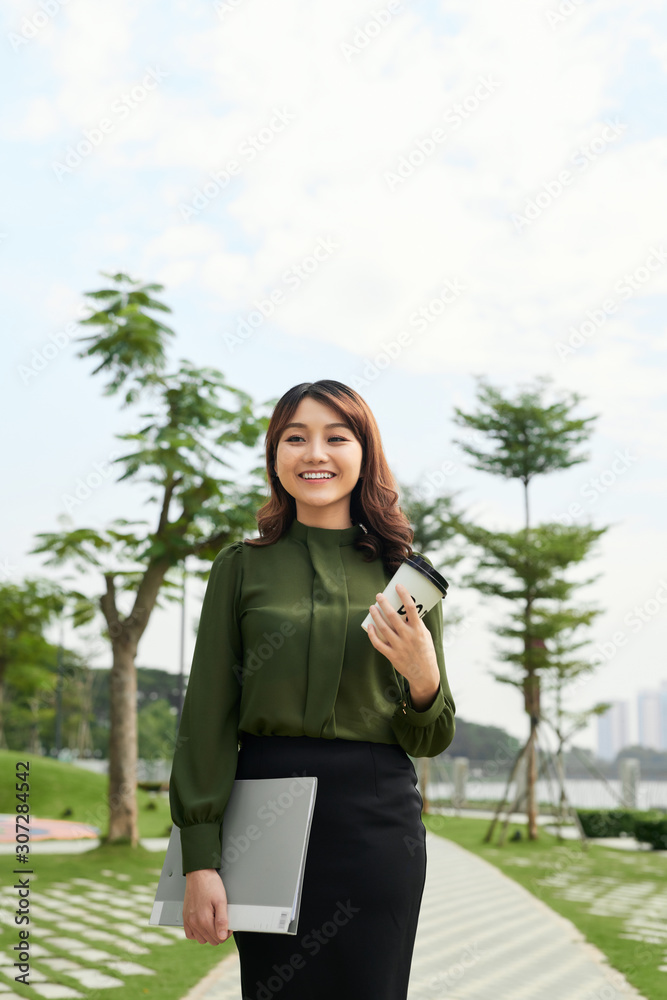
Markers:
<point>425,584</point>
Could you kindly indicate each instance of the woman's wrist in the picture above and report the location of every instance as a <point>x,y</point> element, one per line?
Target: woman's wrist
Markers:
<point>423,698</point>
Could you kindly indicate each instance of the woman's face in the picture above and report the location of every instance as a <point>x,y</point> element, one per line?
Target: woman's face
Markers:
<point>315,447</point>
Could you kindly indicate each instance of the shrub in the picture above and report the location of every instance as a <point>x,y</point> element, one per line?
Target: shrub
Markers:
<point>649,827</point>
<point>653,832</point>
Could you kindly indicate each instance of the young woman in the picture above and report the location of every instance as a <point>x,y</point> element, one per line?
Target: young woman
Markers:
<point>282,665</point>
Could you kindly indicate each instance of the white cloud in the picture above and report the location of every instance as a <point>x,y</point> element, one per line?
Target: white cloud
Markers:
<point>324,175</point>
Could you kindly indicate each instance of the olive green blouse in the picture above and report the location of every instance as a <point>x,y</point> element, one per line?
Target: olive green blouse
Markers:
<point>280,651</point>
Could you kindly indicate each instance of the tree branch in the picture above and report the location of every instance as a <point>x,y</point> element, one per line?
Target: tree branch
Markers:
<point>108,601</point>
<point>168,493</point>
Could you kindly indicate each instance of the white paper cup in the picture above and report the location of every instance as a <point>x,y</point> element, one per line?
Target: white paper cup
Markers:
<point>425,584</point>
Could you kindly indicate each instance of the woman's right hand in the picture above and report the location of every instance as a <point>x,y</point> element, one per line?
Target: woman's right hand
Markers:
<point>205,907</point>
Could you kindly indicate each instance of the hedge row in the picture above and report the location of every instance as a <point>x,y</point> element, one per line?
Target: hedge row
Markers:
<point>647,827</point>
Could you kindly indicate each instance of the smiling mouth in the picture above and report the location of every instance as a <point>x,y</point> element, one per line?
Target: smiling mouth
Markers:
<point>317,479</point>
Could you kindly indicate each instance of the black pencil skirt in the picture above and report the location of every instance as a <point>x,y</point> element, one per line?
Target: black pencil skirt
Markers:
<point>363,880</point>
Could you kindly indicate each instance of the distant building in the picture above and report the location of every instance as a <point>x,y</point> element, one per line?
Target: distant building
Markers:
<point>663,715</point>
<point>648,719</point>
<point>613,730</point>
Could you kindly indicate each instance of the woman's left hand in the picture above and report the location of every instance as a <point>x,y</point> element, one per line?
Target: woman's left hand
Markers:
<point>406,642</point>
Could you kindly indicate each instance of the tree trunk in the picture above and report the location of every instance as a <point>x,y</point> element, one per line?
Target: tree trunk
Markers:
<point>560,770</point>
<point>531,690</point>
<point>515,766</point>
<point>123,743</point>
<point>531,781</point>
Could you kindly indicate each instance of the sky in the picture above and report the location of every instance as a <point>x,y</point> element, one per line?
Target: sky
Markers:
<point>400,196</point>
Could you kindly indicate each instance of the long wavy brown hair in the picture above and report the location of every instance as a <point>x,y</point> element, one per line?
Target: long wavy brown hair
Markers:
<point>373,501</point>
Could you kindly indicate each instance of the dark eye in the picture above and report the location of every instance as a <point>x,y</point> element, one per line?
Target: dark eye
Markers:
<point>335,437</point>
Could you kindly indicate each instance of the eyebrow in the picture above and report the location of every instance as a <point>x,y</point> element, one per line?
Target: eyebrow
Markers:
<point>296,424</point>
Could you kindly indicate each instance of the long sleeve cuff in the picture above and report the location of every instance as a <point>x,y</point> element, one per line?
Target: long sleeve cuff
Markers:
<point>428,715</point>
<point>427,733</point>
<point>201,846</point>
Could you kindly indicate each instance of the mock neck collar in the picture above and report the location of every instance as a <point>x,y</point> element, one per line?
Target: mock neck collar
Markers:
<point>324,536</point>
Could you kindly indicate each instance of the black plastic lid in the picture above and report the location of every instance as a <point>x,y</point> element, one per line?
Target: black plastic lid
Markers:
<point>419,563</point>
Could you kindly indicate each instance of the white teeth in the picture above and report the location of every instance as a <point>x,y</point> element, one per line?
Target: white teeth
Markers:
<point>317,475</point>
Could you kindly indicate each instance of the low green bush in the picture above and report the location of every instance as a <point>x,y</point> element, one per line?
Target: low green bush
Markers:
<point>607,822</point>
<point>648,826</point>
<point>653,832</point>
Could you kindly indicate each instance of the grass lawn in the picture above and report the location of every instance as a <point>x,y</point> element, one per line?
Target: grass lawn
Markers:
<point>55,787</point>
<point>179,963</point>
<point>617,899</point>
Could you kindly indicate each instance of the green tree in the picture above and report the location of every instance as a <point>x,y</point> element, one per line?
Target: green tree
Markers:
<point>431,521</point>
<point>26,611</point>
<point>528,438</point>
<point>156,729</point>
<point>568,671</point>
<point>481,743</point>
<point>178,448</point>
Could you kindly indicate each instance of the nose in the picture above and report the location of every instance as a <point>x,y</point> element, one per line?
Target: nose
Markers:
<point>316,450</point>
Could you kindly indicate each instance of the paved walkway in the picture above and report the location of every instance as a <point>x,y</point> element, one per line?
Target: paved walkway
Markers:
<point>481,936</point>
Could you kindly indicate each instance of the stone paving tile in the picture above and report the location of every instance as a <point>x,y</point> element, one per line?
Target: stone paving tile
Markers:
<point>130,946</point>
<point>37,950</point>
<point>61,964</point>
<point>7,968</point>
<point>94,979</point>
<point>151,938</point>
<point>103,969</point>
<point>481,936</point>
<point>68,911</point>
<point>54,991</point>
<point>94,918</point>
<point>125,968</point>
<point>92,954</point>
<point>642,906</point>
<point>65,894</point>
<point>73,944</point>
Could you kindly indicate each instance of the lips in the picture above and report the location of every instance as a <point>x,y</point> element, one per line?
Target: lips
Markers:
<point>331,475</point>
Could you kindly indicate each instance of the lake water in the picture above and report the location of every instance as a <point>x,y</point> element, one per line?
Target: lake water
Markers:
<point>586,793</point>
